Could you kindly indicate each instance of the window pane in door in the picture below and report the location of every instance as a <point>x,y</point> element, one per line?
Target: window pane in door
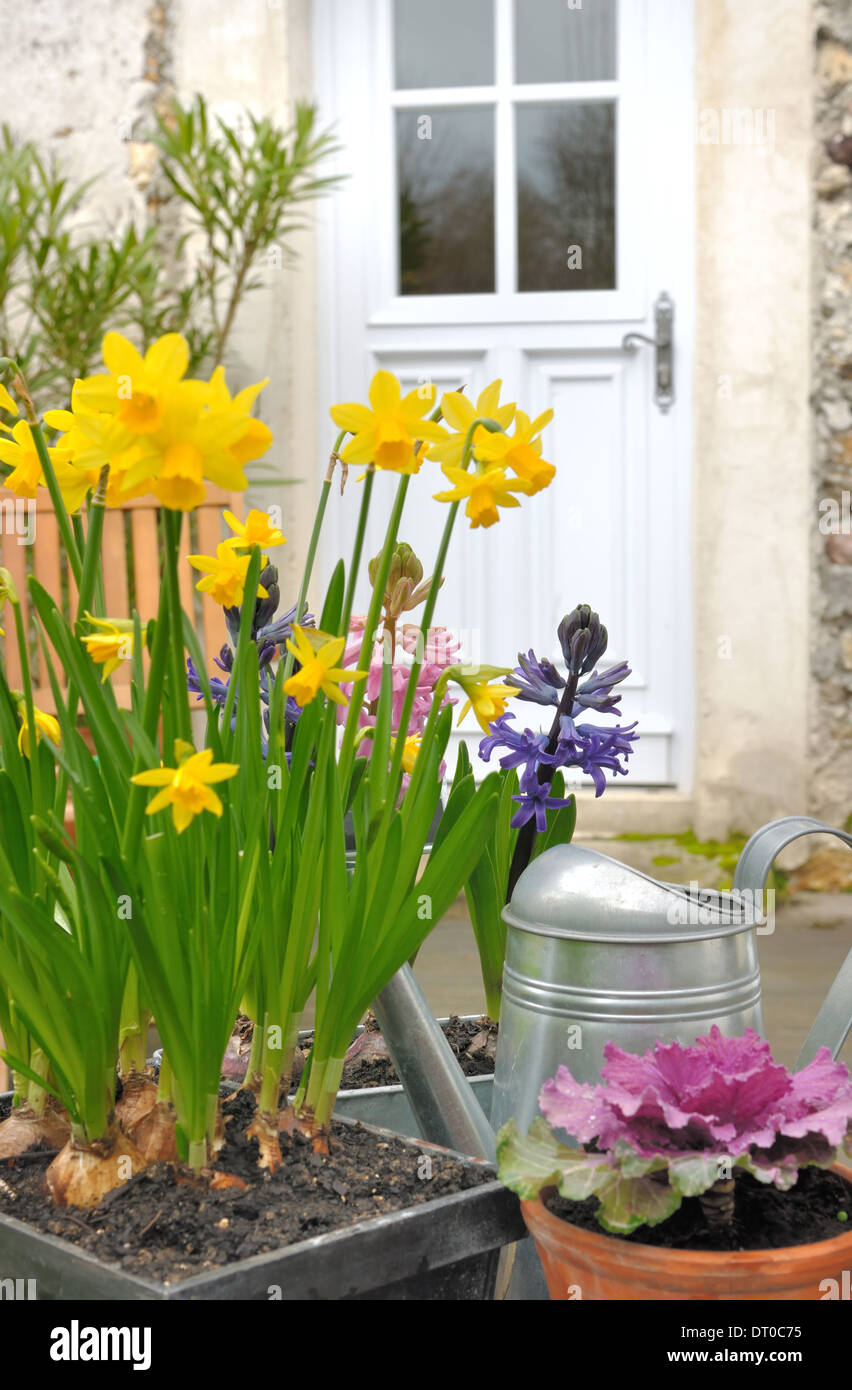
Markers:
<point>445,183</point>
<point>558,41</point>
<point>443,43</point>
<point>566,196</point>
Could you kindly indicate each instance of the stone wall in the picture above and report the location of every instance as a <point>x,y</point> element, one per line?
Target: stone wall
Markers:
<point>830,718</point>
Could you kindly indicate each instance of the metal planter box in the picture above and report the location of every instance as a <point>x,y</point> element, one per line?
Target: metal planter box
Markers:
<point>448,1249</point>
<point>388,1107</point>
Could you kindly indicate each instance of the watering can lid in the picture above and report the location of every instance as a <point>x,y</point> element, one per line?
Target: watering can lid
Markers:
<point>570,891</point>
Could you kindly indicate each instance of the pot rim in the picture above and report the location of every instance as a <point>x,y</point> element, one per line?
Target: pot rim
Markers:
<point>543,1224</point>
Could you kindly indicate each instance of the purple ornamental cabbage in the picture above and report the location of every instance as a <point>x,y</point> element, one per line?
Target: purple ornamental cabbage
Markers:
<point>676,1122</point>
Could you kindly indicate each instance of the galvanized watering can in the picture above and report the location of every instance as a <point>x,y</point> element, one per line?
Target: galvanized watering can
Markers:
<point>597,952</point>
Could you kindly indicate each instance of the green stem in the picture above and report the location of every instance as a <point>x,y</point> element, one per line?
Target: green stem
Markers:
<point>347,747</point>
<point>29,706</point>
<point>428,611</point>
<point>62,519</point>
<point>92,554</point>
<point>357,549</point>
<point>150,719</point>
<point>173,522</point>
<point>325,492</point>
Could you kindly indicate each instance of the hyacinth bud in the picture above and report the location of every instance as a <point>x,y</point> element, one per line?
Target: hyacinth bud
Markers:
<point>265,607</point>
<point>583,639</point>
<point>404,565</point>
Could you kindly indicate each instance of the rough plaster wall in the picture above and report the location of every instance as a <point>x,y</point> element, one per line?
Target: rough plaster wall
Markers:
<point>752,435</point>
<point>83,79</point>
<point>831,647</point>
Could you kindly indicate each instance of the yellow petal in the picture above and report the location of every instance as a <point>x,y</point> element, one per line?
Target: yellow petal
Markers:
<point>168,358</point>
<point>159,802</point>
<point>384,393</point>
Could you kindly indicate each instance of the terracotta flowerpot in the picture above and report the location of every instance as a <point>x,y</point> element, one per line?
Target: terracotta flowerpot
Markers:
<point>598,1267</point>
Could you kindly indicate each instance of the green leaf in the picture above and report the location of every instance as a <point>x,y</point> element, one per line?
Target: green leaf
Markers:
<point>527,1164</point>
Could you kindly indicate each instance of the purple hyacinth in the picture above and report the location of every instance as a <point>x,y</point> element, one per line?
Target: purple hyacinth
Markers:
<point>535,800</point>
<point>524,746</point>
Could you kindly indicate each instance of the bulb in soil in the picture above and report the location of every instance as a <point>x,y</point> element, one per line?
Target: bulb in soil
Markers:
<point>138,1096</point>
<point>26,1129</point>
<point>81,1174</point>
<point>264,1128</point>
<point>368,1049</point>
<point>154,1134</point>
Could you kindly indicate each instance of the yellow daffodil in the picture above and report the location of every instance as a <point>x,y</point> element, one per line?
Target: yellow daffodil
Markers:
<point>488,702</point>
<point>257,529</point>
<point>45,724</point>
<point>186,788</point>
<point>386,433</point>
<point>27,476</point>
<point>460,414</point>
<point>157,431</point>
<point>410,750</point>
<point>110,642</point>
<point>317,653</point>
<point>521,451</point>
<point>255,437</point>
<point>226,580</point>
<point>485,491</point>
<point>135,389</point>
<point>6,402</point>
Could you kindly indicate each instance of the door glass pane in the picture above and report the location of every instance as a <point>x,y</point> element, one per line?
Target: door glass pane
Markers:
<point>443,43</point>
<point>566,196</point>
<point>445,173</point>
<point>558,41</point>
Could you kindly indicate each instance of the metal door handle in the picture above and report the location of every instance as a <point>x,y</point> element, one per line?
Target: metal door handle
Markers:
<point>663,344</point>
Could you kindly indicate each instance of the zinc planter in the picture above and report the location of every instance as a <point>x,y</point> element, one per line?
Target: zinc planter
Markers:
<point>389,1107</point>
<point>448,1249</point>
<point>599,1268</point>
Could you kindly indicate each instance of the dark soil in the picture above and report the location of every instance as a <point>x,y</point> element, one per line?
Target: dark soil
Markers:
<point>472,1040</point>
<point>165,1229</point>
<point>764,1218</point>
<point>368,1061</point>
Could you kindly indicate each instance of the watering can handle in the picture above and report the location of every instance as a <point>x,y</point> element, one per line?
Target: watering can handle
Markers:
<point>834,1020</point>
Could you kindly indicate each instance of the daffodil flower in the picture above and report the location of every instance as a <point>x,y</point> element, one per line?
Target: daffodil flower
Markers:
<point>257,529</point>
<point>485,490</point>
<point>410,750</point>
<point>6,401</point>
<point>521,451</point>
<point>45,724</point>
<point>26,476</point>
<point>226,580</point>
<point>386,433</point>
<point>135,389</point>
<point>111,642</point>
<point>487,701</point>
<point>460,414</point>
<point>255,437</point>
<point>186,788</point>
<point>317,653</point>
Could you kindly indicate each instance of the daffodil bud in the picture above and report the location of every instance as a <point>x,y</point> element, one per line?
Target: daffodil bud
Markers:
<point>7,588</point>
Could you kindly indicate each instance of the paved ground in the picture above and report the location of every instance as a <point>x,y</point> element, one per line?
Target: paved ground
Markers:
<point>813,933</point>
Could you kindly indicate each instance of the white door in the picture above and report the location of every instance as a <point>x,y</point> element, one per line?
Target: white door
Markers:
<point>519,193</point>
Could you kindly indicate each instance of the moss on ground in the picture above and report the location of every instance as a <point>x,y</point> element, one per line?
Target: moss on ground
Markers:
<point>725,852</point>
